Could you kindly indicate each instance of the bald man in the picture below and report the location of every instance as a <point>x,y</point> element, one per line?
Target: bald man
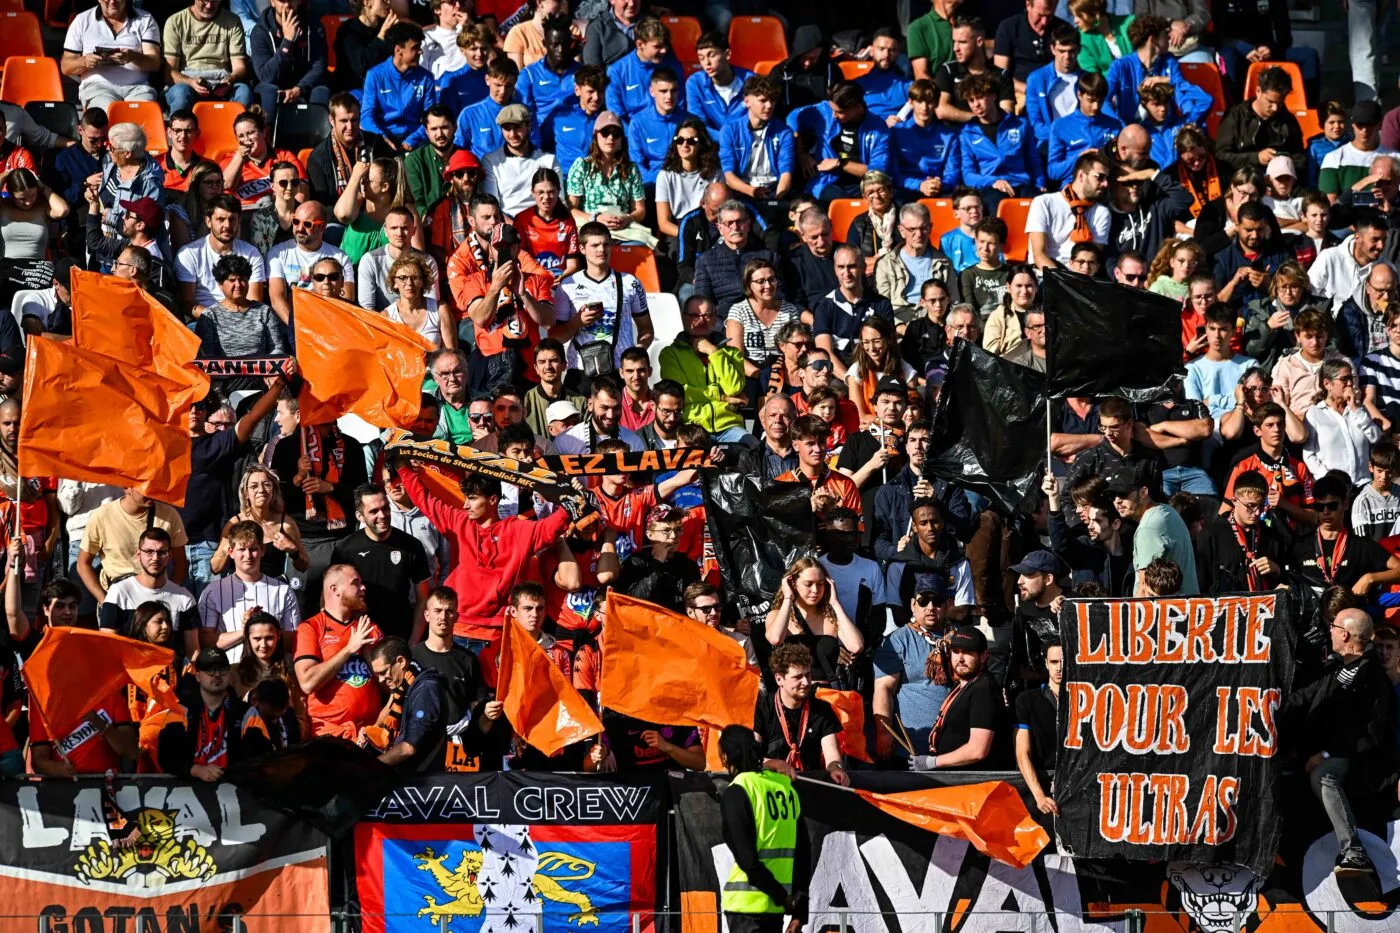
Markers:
<point>332,658</point>
<point>698,230</point>
<point>1342,727</point>
<point>289,264</point>
<point>1134,146</point>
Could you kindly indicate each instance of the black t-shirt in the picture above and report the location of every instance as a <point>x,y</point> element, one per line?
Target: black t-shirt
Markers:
<point>391,569</point>
<point>461,677</point>
<point>846,142</point>
<point>984,288</point>
<point>949,78</point>
<point>1360,556</point>
<point>860,447</point>
<point>821,722</point>
<point>624,736</point>
<point>209,496</point>
<point>1026,49</point>
<point>1033,626</point>
<point>1181,410</point>
<point>1035,712</point>
<point>976,706</point>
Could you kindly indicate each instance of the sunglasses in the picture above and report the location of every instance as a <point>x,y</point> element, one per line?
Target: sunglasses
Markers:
<point>610,131</point>
<point>712,607</point>
<point>1325,506</point>
<point>685,140</point>
<point>326,276</point>
<point>820,366</point>
<point>480,419</point>
<point>284,183</point>
<point>924,600</point>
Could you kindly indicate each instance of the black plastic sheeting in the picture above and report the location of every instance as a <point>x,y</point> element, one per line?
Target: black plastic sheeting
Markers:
<point>1109,339</point>
<point>989,428</point>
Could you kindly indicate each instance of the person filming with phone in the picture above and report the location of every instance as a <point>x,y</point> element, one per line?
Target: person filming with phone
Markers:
<point>112,50</point>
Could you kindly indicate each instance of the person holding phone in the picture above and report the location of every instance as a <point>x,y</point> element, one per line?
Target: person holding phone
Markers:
<point>207,52</point>
<point>112,50</point>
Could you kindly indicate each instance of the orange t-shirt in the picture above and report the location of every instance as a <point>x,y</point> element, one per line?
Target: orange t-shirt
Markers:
<point>350,700</point>
<point>627,515</point>
<point>255,181</point>
<point>84,747</point>
<point>838,485</point>
<point>550,242</point>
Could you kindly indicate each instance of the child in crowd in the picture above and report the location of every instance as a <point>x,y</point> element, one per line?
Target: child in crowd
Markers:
<point>958,244</point>
<point>1162,122</point>
<point>1336,132</point>
<point>1171,270</point>
<point>1283,197</point>
<point>1376,507</point>
<point>825,404</point>
<point>984,283</point>
<point>1315,235</point>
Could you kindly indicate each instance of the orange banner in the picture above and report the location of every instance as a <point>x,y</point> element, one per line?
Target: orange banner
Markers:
<point>71,668</point>
<point>665,668</point>
<point>91,417</point>
<point>356,361</point>
<point>540,703</point>
<point>851,714</point>
<point>992,817</point>
<point>115,318</point>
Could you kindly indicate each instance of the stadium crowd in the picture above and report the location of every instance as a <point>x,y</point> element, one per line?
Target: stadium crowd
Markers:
<point>825,230</point>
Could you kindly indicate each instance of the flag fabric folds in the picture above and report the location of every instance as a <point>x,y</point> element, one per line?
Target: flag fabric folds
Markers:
<point>665,668</point>
<point>992,817</point>
<point>90,417</point>
<point>989,427</point>
<point>115,318</point>
<point>1088,325</point>
<point>72,669</point>
<point>357,361</point>
<point>540,703</point>
<point>850,713</point>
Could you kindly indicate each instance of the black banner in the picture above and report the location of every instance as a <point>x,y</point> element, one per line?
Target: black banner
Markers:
<point>989,427</point>
<point>640,462</point>
<point>1090,323</point>
<point>244,366</point>
<point>1168,727</point>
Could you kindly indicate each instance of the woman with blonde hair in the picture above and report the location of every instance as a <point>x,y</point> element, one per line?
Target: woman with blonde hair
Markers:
<point>411,277</point>
<point>260,500</point>
<point>808,613</point>
<point>876,232</point>
<point>374,189</point>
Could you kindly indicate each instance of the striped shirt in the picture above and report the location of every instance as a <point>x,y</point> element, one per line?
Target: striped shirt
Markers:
<point>124,596</point>
<point>225,601</point>
<point>1382,370</point>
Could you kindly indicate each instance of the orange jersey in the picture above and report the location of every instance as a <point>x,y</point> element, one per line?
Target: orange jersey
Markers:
<point>627,515</point>
<point>469,282</point>
<point>837,485</point>
<point>1288,475</point>
<point>348,701</point>
<point>255,181</point>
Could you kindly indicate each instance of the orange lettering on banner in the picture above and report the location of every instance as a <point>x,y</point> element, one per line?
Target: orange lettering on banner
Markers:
<point>1142,809</point>
<point>1081,707</point>
<point>1169,814</point>
<point>1200,619</point>
<point>1141,649</point>
<point>1097,655</point>
<point>1257,646</point>
<point>1141,718</point>
<point>1236,734</point>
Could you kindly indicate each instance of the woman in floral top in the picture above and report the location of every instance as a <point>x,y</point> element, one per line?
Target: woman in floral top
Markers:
<point>606,185</point>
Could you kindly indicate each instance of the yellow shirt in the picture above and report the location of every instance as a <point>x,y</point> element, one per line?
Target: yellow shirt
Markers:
<point>111,536</point>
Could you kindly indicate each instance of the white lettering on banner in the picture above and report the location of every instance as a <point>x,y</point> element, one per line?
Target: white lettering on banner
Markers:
<point>1321,893</point>
<point>1005,888</point>
<point>920,911</point>
<point>416,804</point>
<point>88,820</point>
<point>33,833</point>
<point>235,831</point>
<point>90,823</point>
<point>840,869</point>
<point>1067,901</point>
<point>596,804</point>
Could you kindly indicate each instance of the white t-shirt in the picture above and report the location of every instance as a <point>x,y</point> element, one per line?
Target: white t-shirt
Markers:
<point>224,602</point>
<point>89,31</point>
<point>508,177</point>
<point>578,291</point>
<point>195,263</point>
<point>1050,214</point>
<point>125,595</point>
<point>906,372</point>
<point>289,262</point>
<point>681,190</point>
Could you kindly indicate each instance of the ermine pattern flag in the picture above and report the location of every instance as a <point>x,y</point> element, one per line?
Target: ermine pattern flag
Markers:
<point>1169,727</point>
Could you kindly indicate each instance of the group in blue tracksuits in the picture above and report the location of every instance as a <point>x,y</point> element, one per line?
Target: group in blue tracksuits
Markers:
<point>629,83</point>
<point>1013,157</point>
<point>703,99</point>
<point>395,101</point>
<point>461,88</point>
<point>541,89</point>
<point>922,152</point>
<point>886,91</point>
<point>1071,135</point>
<point>1163,137</point>
<point>872,145</point>
<point>736,147</point>
<point>649,137</point>
<point>1039,84</point>
<point>1126,75</point>
<point>568,133</point>
<point>477,129</point>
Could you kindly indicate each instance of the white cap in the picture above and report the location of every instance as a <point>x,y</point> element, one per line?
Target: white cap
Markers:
<point>1281,165</point>
<point>560,411</point>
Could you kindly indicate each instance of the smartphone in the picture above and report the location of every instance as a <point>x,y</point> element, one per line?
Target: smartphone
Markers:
<point>1201,331</point>
<point>106,51</point>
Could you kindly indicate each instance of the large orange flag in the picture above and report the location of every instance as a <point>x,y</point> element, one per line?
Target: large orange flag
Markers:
<point>115,318</point>
<point>991,816</point>
<point>87,416</point>
<point>540,703</point>
<point>72,669</point>
<point>357,361</point>
<point>664,668</point>
<point>850,712</point>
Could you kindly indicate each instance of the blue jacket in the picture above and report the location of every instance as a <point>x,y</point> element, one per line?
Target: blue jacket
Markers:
<point>568,134</point>
<point>1126,75</point>
<point>704,101</point>
<point>649,137</point>
<point>872,141</point>
<point>73,165</point>
<point>477,129</point>
<point>461,88</point>
<point>629,84</point>
<point>885,91</point>
<point>1013,157</point>
<point>540,89</point>
<point>1038,85</point>
<point>924,152</point>
<point>736,146</point>
<point>1071,135</point>
<point>960,248</point>
<point>1163,135</point>
<point>1318,149</point>
<point>394,103</point>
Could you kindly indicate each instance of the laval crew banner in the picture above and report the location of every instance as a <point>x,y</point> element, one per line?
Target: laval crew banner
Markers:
<point>1168,727</point>
<point>492,852</point>
<point>169,855</point>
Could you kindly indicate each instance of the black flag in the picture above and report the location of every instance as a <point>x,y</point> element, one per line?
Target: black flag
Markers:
<point>1103,338</point>
<point>989,428</point>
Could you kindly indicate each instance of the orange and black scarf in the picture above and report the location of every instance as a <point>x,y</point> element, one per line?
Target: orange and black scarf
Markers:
<point>1079,207</point>
<point>327,468</point>
<point>1199,198</point>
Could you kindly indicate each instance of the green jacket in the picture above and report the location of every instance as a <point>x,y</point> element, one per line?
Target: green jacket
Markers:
<point>1094,53</point>
<point>424,171</point>
<point>931,37</point>
<point>707,385</point>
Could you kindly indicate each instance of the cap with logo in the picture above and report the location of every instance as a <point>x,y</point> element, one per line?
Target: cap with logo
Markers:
<point>210,660</point>
<point>968,638</point>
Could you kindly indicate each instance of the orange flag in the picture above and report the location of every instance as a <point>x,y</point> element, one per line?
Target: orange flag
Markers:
<point>992,817</point>
<point>356,361</point>
<point>851,714</point>
<point>72,669</point>
<point>665,668</point>
<point>540,703</point>
<point>116,319</point>
<point>97,418</point>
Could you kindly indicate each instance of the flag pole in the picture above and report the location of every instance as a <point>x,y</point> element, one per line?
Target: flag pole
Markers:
<point>1049,439</point>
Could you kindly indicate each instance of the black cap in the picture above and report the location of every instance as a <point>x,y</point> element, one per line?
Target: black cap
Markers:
<point>210,660</point>
<point>968,639</point>
<point>11,363</point>
<point>1366,113</point>
<point>1123,479</point>
<point>889,385</point>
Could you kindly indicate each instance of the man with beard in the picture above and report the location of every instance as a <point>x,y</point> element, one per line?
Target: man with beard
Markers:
<point>219,729</point>
<point>1060,219</point>
<point>194,264</point>
<point>448,219</point>
<point>1036,620</point>
<point>1143,204</point>
<point>329,164</point>
<point>970,727</point>
<point>392,564</point>
<point>549,368</point>
<point>1247,265</point>
<point>797,732</point>
<point>1103,553</point>
<point>332,658</point>
<point>425,167</point>
<point>911,669</point>
<point>660,432</point>
<point>604,421</point>
<point>414,722</point>
<point>895,500</point>
<point>150,584</point>
<point>1239,552</point>
<point>113,532</point>
<point>289,264</point>
<point>1161,532</point>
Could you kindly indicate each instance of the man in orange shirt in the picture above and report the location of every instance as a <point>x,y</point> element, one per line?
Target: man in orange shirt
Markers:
<point>332,658</point>
<point>507,295</point>
<point>829,488</point>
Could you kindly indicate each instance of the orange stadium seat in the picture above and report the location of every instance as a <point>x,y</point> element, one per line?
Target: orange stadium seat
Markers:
<point>844,211</point>
<point>331,24</point>
<point>754,39</point>
<point>685,32</point>
<point>638,260</point>
<point>20,35</point>
<point>145,114</point>
<point>854,68</point>
<point>764,68</point>
<point>940,212</point>
<point>29,79</point>
<point>216,118</point>
<point>1297,98</point>
<point>1013,212</point>
<point>1307,120</point>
